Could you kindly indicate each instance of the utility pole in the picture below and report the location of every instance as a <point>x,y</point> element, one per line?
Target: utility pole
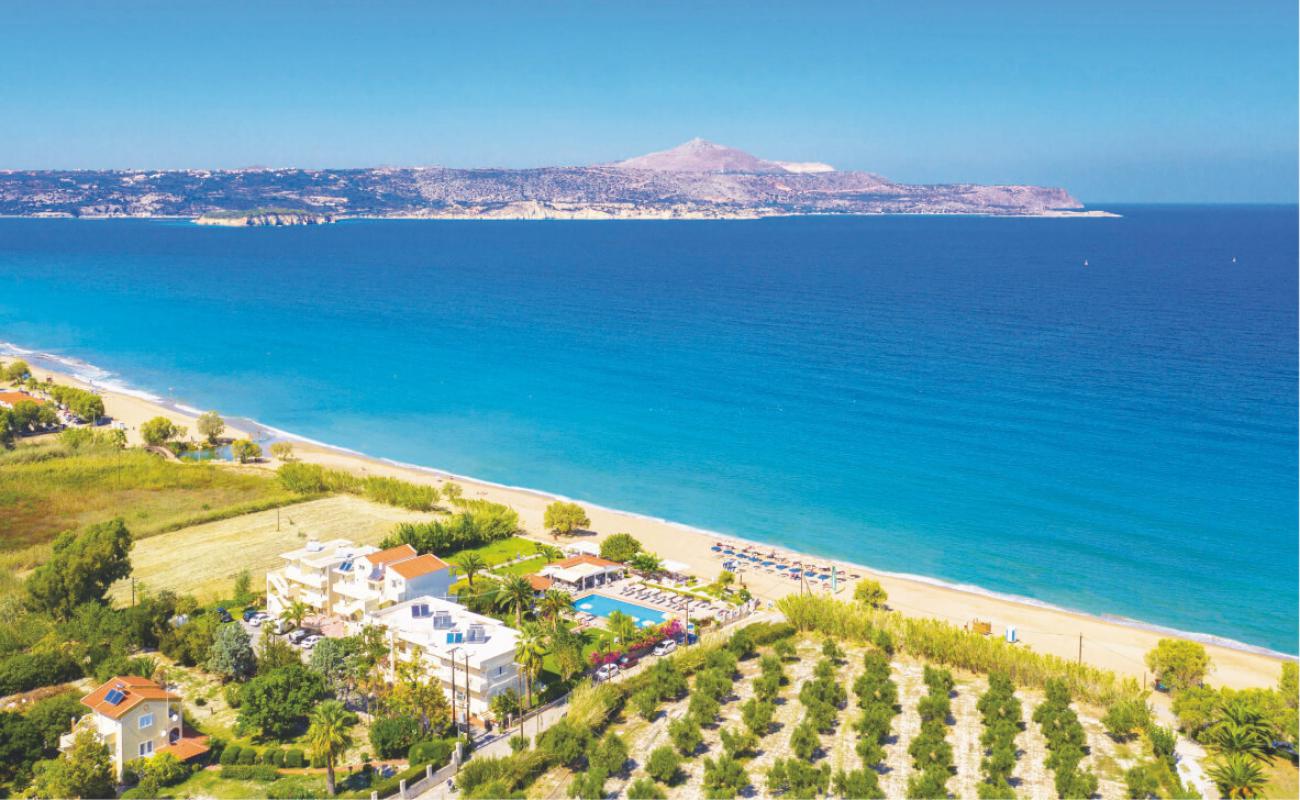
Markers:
<point>132,591</point>
<point>1081,648</point>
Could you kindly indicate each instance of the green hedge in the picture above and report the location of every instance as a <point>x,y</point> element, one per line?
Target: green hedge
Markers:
<point>250,772</point>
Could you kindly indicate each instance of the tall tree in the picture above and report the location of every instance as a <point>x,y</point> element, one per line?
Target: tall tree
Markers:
<point>555,605</point>
<point>530,651</point>
<point>470,564</point>
<point>328,737</point>
<point>84,771</point>
<point>276,703</point>
<point>515,593</point>
<point>295,612</point>
<point>81,568</point>
<point>1238,776</point>
<point>160,431</point>
<point>211,425</point>
<point>231,655</point>
<point>416,693</point>
<point>623,626</point>
<point>565,518</point>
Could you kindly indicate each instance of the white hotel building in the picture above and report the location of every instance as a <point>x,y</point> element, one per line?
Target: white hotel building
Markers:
<point>449,638</point>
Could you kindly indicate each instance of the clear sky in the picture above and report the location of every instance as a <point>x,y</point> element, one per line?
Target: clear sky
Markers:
<point>1116,101</point>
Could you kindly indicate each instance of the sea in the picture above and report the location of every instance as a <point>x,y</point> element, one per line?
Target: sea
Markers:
<point>1098,414</point>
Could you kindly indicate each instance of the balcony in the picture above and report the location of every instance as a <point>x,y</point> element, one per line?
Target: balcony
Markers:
<point>316,580</point>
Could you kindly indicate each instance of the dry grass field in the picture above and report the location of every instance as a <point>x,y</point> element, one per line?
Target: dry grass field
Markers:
<point>203,560</point>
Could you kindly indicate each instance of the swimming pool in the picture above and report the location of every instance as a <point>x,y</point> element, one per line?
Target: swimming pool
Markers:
<point>601,606</point>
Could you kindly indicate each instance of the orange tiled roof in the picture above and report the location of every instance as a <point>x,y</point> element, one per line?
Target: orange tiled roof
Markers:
<point>540,583</point>
<point>420,565</point>
<point>134,689</point>
<point>9,398</point>
<point>399,553</point>
<point>586,559</point>
<point>187,747</point>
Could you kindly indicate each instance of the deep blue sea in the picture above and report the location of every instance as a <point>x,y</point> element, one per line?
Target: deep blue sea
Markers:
<point>961,398</point>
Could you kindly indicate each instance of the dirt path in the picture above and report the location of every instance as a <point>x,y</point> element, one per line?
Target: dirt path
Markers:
<point>898,762</point>
<point>965,738</point>
<point>1031,778</point>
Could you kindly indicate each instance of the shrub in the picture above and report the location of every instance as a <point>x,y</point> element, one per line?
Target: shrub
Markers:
<point>250,772</point>
<point>619,547</point>
<point>392,737</point>
<point>645,789</point>
<point>437,752</point>
<point>804,741</point>
<point>724,778</point>
<point>23,672</point>
<point>609,754</point>
<point>646,703</point>
<point>685,735</point>
<point>663,765</point>
<point>864,783</point>
<point>565,741</point>
<point>273,756</point>
<point>230,755</point>
<point>518,743</point>
<point>588,785</point>
<point>293,758</point>
<point>247,756</point>
<point>1126,718</point>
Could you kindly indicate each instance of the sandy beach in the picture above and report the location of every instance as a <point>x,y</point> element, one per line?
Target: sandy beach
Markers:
<point>1105,643</point>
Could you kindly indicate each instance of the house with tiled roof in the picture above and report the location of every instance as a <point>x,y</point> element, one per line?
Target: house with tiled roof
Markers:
<point>137,718</point>
<point>350,581</point>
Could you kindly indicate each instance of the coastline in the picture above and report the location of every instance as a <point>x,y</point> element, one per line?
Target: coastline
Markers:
<point>1113,643</point>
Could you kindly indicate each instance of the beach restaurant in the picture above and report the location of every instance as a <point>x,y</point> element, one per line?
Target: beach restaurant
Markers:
<point>583,572</point>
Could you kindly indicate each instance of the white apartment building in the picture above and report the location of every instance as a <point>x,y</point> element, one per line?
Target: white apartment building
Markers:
<point>347,580</point>
<point>309,574</point>
<point>380,579</point>
<point>448,637</point>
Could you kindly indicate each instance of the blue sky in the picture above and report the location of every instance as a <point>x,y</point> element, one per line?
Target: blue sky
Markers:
<point>1116,101</point>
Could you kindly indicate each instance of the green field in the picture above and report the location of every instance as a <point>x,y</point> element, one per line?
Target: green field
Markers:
<point>47,488</point>
<point>501,551</point>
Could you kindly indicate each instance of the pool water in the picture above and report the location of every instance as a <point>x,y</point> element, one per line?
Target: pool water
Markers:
<point>601,606</point>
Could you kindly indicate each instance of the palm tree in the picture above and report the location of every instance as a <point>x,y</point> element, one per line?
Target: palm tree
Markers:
<point>471,564</point>
<point>555,605</point>
<point>1238,776</point>
<point>530,650</point>
<point>294,613</point>
<point>1241,730</point>
<point>622,626</point>
<point>328,737</point>
<point>549,552</point>
<point>515,593</point>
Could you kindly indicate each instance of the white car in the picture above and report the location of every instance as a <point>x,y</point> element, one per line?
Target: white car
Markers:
<point>606,672</point>
<point>310,641</point>
<point>255,622</point>
<point>665,647</point>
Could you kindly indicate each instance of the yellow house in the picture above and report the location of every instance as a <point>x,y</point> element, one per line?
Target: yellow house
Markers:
<point>137,718</point>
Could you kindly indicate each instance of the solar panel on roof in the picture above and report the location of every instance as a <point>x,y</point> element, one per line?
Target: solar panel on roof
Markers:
<point>114,697</point>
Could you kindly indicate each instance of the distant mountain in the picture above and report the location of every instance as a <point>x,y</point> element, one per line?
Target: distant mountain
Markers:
<point>696,180</point>
<point>697,155</point>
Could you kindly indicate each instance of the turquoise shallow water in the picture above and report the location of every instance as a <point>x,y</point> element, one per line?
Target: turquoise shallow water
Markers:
<point>954,397</point>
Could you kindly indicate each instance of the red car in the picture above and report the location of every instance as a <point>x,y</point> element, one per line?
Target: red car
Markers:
<point>627,660</point>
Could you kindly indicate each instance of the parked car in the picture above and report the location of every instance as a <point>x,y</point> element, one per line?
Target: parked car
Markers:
<point>665,647</point>
<point>606,672</point>
<point>297,635</point>
<point>255,621</point>
<point>249,613</point>
<point>224,615</point>
<point>311,640</point>
<point>627,661</point>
